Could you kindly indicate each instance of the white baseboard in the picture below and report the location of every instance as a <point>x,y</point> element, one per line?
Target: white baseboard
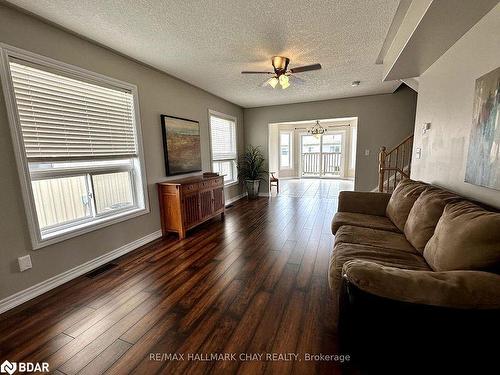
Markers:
<point>236,198</point>
<point>40,288</point>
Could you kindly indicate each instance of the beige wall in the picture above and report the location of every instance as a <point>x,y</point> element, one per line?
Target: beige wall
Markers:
<point>158,93</point>
<point>383,120</point>
<point>446,95</point>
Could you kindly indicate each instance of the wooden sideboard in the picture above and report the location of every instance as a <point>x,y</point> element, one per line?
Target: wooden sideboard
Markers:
<point>188,202</point>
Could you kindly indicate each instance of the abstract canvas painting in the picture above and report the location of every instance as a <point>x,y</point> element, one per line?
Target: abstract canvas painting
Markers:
<point>483,161</point>
<point>181,145</point>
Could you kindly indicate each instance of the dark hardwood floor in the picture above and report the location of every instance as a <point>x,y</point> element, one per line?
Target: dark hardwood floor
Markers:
<point>254,283</point>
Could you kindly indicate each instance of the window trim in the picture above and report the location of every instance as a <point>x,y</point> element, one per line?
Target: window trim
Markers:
<point>7,52</point>
<point>230,118</point>
<point>290,134</point>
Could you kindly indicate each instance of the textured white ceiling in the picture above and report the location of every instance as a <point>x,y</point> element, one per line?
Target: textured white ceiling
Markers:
<point>209,42</point>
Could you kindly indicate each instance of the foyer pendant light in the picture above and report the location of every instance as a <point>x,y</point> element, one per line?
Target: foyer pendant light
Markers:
<point>317,130</point>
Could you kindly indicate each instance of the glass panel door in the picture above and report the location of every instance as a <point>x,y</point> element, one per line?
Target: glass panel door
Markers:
<point>310,155</point>
<point>322,156</point>
<point>331,154</point>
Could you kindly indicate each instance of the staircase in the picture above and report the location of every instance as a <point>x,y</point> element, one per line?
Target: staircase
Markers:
<point>394,165</point>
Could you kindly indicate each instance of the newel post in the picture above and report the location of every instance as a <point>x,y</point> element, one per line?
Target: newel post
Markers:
<point>381,166</point>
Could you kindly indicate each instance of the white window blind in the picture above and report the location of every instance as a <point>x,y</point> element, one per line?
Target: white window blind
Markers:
<point>223,138</point>
<point>77,137</point>
<point>62,118</point>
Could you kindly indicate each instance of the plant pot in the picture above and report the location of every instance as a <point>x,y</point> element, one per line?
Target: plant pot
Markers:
<point>252,188</point>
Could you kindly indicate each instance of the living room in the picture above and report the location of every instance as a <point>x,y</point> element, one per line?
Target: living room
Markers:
<point>249,187</point>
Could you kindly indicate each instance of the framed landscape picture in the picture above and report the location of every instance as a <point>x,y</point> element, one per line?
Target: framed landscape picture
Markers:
<point>181,145</point>
<point>483,160</point>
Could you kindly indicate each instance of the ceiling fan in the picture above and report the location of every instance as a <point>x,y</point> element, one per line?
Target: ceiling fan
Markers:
<point>281,72</point>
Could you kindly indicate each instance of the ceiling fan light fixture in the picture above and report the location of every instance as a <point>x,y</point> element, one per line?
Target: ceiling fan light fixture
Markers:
<point>280,62</point>
<point>284,81</point>
<point>281,73</point>
<point>273,82</point>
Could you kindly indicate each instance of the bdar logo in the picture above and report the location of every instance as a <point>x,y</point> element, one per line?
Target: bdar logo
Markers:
<point>9,367</point>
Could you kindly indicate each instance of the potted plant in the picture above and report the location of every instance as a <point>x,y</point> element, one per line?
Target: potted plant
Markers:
<point>251,170</point>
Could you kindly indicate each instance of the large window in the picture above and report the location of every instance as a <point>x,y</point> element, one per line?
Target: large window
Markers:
<point>77,142</point>
<point>223,145</point>
<point>285,150</point>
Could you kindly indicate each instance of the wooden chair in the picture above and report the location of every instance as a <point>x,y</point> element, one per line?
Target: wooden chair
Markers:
<point>274,181</point>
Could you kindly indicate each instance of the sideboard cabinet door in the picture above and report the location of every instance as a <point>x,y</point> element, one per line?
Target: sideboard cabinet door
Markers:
<point>219,201</point>
<point>206,204</point>
<point>191,207</point>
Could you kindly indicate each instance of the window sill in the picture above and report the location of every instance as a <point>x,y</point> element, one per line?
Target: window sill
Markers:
<point>231,184</point>
<point>77,230</point>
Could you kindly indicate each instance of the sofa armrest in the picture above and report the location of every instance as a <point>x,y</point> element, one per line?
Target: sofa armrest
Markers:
<point>452,289</point>
<point>389,318</point>
<point>367,203</point>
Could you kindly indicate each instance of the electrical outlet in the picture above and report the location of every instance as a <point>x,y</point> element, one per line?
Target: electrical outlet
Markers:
<point>418,152</point>
<point>367,152</point>
<point>24,263</point>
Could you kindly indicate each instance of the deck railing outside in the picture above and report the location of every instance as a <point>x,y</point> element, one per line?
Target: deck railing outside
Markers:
<point>321,163</point>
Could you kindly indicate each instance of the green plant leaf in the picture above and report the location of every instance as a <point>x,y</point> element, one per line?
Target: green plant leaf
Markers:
<point>251,164</point>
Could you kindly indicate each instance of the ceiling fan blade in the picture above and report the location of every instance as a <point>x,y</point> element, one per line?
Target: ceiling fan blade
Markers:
<point>255,72</point>
<point>305,68</point>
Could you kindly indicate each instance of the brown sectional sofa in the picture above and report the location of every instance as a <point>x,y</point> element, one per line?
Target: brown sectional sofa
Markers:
<point>405,266</point>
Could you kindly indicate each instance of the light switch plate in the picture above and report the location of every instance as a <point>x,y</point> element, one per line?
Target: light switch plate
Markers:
<point>426,127</point>
<point>24,263</point>
<point>367,152</point>
<point>418,152</point>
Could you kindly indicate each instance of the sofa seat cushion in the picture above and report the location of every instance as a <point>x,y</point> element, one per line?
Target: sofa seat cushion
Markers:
<point>373,237</point>
<point>467,237</point>
<point>425,214</point>
<point>362,220</point>
<point>453,289</point>
<point>344,252</point>
<point>402,200</point>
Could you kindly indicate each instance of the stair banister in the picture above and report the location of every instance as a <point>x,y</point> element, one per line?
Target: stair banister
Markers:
<point>395,164</point>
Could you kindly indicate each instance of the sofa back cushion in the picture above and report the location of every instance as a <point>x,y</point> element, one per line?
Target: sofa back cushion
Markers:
<point>402,200</point>
<point>467,237</point>
<point>425,214</point>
